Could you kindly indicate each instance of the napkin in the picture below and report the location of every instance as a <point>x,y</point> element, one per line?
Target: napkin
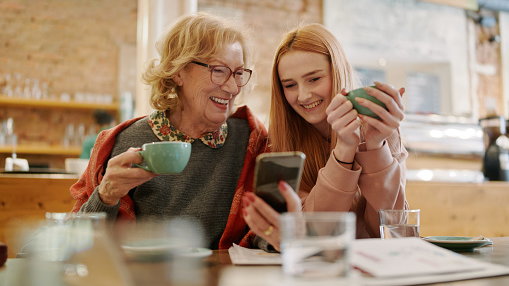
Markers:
<point>246,256</point>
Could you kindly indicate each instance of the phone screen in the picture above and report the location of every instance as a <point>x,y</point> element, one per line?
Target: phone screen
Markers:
<point>273,167</point>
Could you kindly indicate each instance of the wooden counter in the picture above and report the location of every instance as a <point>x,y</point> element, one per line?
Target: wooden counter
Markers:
<point>448,208</point>
<point>464,209</point>
<point>24,199</point>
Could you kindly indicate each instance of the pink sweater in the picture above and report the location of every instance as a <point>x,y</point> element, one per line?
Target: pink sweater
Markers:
<point>376,181</point>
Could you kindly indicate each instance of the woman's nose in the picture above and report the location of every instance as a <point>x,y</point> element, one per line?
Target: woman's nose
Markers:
<point>304,94</point>
<point>230,86</point>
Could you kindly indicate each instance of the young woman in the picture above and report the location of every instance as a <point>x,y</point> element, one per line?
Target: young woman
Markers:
<point>354,162</point>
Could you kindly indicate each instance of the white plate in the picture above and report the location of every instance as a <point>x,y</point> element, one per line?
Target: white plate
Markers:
<point>150,247</point>
<point>194,252</point>
<point>157,248</point>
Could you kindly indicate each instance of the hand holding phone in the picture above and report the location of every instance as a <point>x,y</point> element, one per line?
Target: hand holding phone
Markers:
<point>274,167</point>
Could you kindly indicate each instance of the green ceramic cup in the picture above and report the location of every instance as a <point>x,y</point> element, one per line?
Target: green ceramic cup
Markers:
<point>165,157</point>
<point>360,92</point>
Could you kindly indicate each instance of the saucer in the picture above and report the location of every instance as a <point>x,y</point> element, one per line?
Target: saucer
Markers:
<point>161,248</point>
<point>149,247</point>
<point>458,243</point>
<point>197,252</point>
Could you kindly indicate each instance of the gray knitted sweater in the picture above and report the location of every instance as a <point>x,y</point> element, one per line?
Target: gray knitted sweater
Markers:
<point>203,191</point>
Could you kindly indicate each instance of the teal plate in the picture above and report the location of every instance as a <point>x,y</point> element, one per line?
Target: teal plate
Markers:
<point>458,243</point>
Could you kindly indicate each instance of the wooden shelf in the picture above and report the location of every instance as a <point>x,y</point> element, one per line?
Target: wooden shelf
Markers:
<point>44,103</point>
<point>43,150</point>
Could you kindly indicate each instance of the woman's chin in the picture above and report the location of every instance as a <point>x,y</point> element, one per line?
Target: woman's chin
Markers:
<point>218,119</point>
<point>315,119</point>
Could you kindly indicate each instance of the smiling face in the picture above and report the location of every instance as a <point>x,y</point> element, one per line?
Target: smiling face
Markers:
<point>205,106</point>
<point>307,84</point>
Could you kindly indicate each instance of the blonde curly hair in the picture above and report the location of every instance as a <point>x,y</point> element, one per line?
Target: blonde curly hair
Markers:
<point>198,37</point>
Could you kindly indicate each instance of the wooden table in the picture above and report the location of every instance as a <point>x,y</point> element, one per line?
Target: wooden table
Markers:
<point>154,273</point>
<point>498,254</point>
<point>207,271</point>
<point>160,273</point>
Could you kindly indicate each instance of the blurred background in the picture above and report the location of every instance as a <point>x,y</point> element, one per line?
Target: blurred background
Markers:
<point>62,60</point>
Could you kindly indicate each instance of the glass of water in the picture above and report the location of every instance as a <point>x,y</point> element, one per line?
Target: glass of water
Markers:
<point>399,223</point>
<point>316,245</point>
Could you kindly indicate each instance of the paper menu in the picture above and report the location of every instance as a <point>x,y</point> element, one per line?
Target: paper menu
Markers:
<point>408,257</point>
<point>400,257</point>
<point>402,261</point>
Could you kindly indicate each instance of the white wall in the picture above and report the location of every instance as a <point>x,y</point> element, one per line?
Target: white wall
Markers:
<point>403,34</point>
<point>154,17</point>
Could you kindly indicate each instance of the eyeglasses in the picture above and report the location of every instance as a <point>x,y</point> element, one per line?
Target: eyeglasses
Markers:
<point>221,74</point>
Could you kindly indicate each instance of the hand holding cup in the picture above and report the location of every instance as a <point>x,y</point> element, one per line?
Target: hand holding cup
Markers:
<point>361,93</point>
<point>134,167</point>
<point>381,109</point>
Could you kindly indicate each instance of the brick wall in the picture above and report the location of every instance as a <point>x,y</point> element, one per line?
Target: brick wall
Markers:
<point>73,46</point>
<point>267,21</point>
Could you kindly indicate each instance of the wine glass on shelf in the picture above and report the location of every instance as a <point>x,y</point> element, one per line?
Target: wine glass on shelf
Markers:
<point>17,87</point>
<point>68,139</point>
<point>27,91</point>
<point>7,88</point>
<point>36,91</point>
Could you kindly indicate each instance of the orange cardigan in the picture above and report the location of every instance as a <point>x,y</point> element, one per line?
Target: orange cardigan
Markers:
<point>236,230</point>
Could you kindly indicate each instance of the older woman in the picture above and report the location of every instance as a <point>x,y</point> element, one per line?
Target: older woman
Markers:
<point>194,85</point>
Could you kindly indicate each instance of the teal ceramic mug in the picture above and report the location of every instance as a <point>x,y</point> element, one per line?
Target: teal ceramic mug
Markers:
<point>360,92</point>
<point>165,157</point>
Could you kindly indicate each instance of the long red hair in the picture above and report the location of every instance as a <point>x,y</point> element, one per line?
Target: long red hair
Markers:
<point>290,132</point>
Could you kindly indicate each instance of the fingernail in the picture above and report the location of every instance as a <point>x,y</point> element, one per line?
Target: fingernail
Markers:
<point>282,186</point>
<point>250,197</point>
<point>245,201</point>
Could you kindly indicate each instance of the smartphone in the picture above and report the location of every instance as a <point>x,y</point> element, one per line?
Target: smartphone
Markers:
<point>270,169</point>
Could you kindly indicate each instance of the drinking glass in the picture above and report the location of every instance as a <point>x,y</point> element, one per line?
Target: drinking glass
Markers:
<point>399,223</point>
<point>317,245</point>
<point>61,235</point>
<point>80,244</point>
